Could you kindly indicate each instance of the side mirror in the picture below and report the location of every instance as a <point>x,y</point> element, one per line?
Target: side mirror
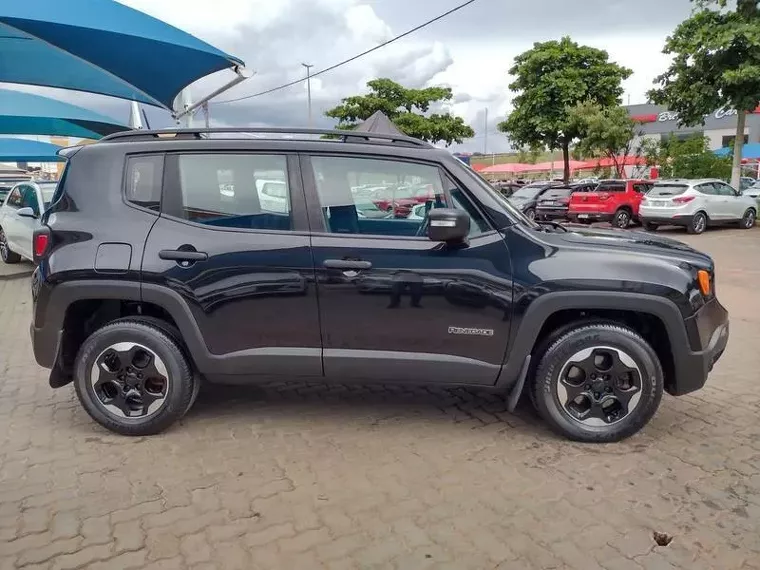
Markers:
<point>448,225</point>
<point>26,213</point>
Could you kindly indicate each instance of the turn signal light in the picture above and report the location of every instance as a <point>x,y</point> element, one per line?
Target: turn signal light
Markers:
<point>683,199</point>
<point>703,278</point>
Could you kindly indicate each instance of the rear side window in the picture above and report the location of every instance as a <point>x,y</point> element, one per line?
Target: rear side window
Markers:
<point>144,175</point>
<point>611,187</point>
<point>244,191</point>
<point>668,190</point>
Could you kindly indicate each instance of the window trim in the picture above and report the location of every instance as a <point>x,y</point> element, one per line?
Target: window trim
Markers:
<point>124,181</point>
<point>314,204</point>
<point>297,214</point>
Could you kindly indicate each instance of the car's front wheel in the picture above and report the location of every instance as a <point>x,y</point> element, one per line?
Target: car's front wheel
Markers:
<point>6,254</point>
<point>748,220</point>
<point>133,378</point>
<point>530,213</point>
<point>599,382</point>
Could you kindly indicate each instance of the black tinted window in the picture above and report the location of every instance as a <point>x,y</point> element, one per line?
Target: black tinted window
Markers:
<point>144,175</point>
<point>29,199</point>
<point>246,191</point>
<point>557,193</point>
<point>611,187</point>
<point>669,189</point>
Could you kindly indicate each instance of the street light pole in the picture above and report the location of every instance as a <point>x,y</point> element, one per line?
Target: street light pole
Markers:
<point>308,88</point>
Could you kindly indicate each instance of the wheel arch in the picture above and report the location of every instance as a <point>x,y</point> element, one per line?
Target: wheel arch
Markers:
<point>658,319</point>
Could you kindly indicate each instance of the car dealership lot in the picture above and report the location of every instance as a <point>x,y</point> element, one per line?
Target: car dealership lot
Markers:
<point>298,476</point>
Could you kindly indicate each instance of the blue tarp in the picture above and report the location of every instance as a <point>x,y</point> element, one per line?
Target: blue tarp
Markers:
<point>24,150</point>
<point>101,46</point>
<point>29,114</point>
<point>751,151</point>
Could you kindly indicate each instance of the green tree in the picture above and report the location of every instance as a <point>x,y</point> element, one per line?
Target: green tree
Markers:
<point>716,63</point>
<point>550,79</point>
<point>407,108</point>
<point>605,132</point>
<point>686,158</point>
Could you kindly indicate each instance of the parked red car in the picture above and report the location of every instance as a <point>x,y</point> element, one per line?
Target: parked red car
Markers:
<point>402,200</point>
<point>614,201</point>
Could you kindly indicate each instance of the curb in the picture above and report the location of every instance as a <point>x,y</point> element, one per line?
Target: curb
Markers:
<point>14,276</point>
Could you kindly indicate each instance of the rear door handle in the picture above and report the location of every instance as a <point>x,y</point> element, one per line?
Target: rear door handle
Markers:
<point>181,255</point>
<point>347,264</point>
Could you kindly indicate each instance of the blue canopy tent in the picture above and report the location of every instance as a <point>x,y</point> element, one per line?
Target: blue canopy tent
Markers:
<point>104,47</point>
<point>751,151</point>
<point>25,150</point>
<point>28,114</point>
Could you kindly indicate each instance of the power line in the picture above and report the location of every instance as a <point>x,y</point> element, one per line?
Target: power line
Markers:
<point>349,60</point>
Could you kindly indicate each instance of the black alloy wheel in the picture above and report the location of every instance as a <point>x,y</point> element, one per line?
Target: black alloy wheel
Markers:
<point>598,382</point>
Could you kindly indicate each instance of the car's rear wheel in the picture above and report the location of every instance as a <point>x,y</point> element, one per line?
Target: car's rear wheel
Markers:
<point>698,224</point>
<point>133,378</point>
<point>6,254</point>
<point>748,220</point>
<point>599,382</point>
<point>622,219</point>
<point>650,227</point>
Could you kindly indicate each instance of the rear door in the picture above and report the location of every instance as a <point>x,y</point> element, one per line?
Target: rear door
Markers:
<point>232,243</point>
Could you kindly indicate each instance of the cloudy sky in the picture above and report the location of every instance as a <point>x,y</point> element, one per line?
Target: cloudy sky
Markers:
<point>470,51</point>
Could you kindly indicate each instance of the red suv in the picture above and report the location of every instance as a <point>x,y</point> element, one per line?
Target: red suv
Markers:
<point>614,201</point>
<point>401,201</point>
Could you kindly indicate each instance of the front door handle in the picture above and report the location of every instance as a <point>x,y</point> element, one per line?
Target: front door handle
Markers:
<point>347,264</point>
<point>182,255</point>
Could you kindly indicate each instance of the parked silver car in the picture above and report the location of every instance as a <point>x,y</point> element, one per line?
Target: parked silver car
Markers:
<point>20,216</point>
<point>696,205</point>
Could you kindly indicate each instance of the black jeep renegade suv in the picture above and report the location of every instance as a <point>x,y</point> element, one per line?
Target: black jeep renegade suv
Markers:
<point>172,257</point>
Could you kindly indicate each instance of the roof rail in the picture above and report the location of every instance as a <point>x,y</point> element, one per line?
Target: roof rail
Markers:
<point>203,133</point>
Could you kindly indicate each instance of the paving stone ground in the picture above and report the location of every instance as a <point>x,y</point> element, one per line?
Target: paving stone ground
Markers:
<point>305,477</point>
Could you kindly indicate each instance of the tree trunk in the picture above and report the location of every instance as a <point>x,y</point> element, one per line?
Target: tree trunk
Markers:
<point>736,171</point>
<point>566,158</point>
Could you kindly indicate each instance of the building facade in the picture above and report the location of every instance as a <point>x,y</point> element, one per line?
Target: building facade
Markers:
<point>658,122</point>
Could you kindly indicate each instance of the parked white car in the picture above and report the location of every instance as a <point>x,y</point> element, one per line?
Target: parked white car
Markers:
<point>20,216</point>
<point>753,191</point>
<point>696,205</point>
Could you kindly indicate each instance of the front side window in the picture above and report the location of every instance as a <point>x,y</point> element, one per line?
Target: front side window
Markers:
<point>14,199</point>
<point>724,189</point>
<point>245,191</point>
<point>376,196</point>
<point>29,199</point>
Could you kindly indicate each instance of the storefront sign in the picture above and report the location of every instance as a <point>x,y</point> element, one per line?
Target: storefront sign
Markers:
<point>667,116</point>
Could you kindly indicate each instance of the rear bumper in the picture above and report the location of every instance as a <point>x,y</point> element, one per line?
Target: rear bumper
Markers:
<point>551,213</point>
<point>678,220</point>
<point>590,217</point>
<point>708,332</point>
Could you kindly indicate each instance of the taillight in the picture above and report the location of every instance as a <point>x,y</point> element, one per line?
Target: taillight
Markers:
<point>683,199</point>
<point>41,241</point>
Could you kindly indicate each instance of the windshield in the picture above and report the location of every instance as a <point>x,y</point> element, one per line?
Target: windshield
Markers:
<point>528,192</point>
<point>667,190</point>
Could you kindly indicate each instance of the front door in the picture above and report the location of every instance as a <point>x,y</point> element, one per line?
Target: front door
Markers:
<point>733,206</point>
<point>393,304</point>
<point>232,242</point>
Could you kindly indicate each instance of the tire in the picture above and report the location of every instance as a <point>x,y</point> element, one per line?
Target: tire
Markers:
<point>622,219</point>
<point>586,343</point>
<point>124,338</point>
<point>748,220</point>
<point>650,227</point>
<point>6,254</point>
<point>698,224</point>
<point>530,213</point>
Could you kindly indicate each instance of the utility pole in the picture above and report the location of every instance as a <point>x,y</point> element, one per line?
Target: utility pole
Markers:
<point>308,88</point>
<point>485,136</point>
